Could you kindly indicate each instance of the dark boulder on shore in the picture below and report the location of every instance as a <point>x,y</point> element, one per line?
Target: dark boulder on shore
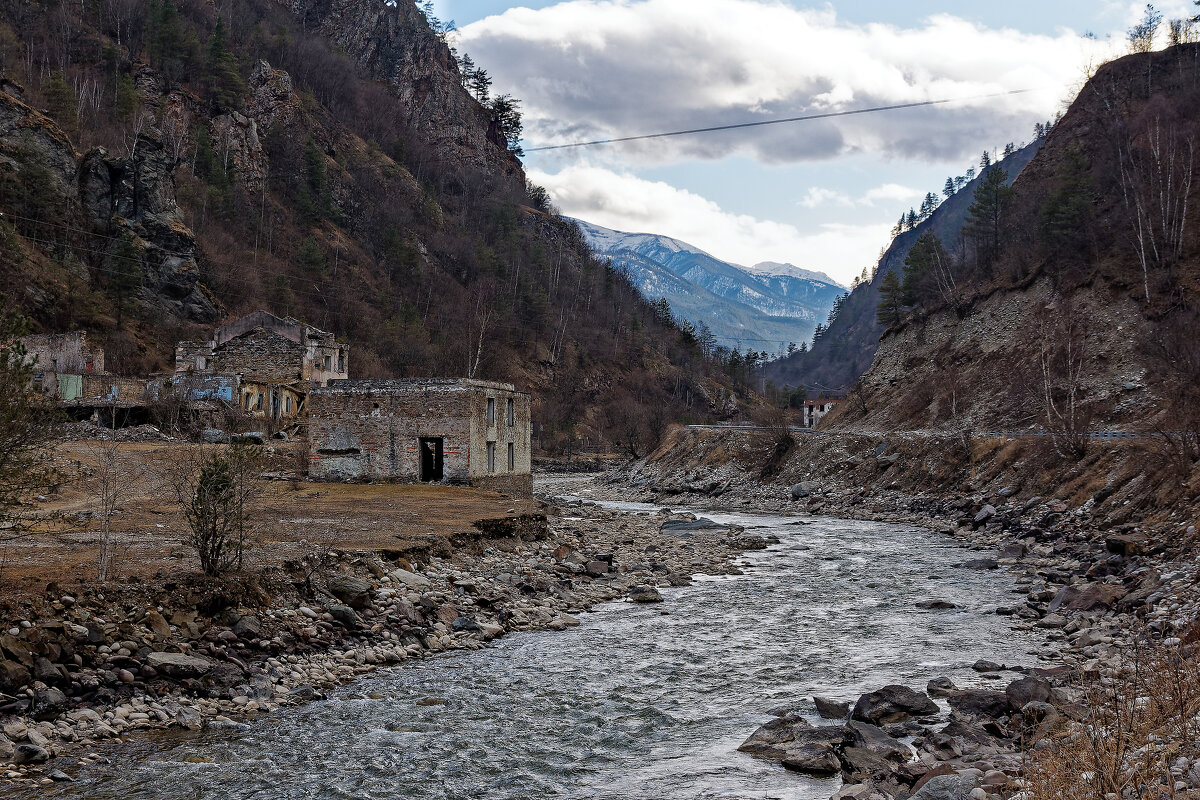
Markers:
<point>893,703</point>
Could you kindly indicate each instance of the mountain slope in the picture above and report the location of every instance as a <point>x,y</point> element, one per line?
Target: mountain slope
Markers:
<point>847,349</point>
<point>320,159</point>
<point>762,308</point>
<point>1080,324</point>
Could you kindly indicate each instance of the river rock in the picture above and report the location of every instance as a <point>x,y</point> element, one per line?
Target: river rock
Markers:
<point>1027,690</point>
<point>645,594</point>
<point>6,748</point>
<point>354,592</point>
<point>985,666</point>
<point>869,737</point>
<point>30,754</point>
<point>1092,597</point>
<point>940,687</point>
<point>892,703</point>
<point>798,745</point>
<point>812,759</point>
<point>343,614</point>
<point>936,605</point>
<point>985,513</point>
<point>803,489</point>
<point>162,630</point>
<point>831,709</point>
<point>946,787</point>
<point>979,703</point>
<point>178,665</point>
<point>247,627</point>
<point>13,676</point>
<point>48,703</point>
<point>410,579</point>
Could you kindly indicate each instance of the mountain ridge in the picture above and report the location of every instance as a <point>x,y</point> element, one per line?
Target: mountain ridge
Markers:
<point>738,304</point>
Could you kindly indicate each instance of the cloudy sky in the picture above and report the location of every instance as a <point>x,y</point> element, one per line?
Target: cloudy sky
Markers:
<point>823,194</point>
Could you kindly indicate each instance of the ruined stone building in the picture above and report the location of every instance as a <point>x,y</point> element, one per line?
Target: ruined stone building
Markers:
<point>61,360</point>
<point>276,361</point>
<point>455,431</point>
<point>815,411</point>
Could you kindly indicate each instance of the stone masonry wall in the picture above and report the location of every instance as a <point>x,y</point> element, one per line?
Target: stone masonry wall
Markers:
<point>371,430</point>
<point>261,356</point>
<point>374,434</point>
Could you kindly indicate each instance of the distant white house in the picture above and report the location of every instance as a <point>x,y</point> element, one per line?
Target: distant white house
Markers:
<point>814,410</point>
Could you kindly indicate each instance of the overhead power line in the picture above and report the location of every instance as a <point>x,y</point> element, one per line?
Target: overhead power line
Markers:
<point>761,123</point>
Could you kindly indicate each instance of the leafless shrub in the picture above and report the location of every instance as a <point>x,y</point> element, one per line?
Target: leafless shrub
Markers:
<point>1138,724</point>
<point>1173,355</point>
<point>775,438</point>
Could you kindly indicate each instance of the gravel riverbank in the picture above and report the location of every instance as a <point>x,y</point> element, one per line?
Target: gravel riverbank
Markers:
<point>107,661</point>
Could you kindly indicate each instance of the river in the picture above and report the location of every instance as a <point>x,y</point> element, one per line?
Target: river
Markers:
<point>639,702</point>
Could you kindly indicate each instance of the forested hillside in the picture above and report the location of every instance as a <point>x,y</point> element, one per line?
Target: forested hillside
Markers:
<point>1075,307</point>
<point>844,348</point>
<point>165,164</point>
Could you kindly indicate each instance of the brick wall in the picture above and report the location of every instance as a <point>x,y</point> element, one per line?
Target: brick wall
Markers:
<point>372,430</point>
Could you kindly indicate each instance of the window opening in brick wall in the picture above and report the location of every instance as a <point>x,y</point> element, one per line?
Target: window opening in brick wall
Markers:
<point>258,403</point>
<point>491,456</point>
<point>491,412</point>
<point>511,413</point>
<point>512,457</point>
<point>342,360</point>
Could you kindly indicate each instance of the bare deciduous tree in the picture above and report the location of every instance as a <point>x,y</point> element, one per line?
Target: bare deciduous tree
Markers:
<point>1062,364</point>
<point>108,479</point>
<point>1156,171</point>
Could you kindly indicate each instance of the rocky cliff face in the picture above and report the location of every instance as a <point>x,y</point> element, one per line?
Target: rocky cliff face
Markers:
<point>392,42</point>
<point>111,197</point>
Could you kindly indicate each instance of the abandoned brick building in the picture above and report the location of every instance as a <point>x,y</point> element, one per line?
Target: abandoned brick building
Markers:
<point>277,361</point>
<point>456,431</point>
<point>60,362</point>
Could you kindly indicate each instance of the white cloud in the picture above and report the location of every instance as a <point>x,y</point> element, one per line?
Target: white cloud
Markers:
<point>891,194</point>
<point>588,69</point>
<point>818,197</point>
<point>625,202</point>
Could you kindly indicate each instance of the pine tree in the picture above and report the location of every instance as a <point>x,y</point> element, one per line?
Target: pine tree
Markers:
<point>949,189</point>
<point>889,312</point>
<point>225,84</point>
<point>985,161</point>
<point>61,101</point>
<point>1065,223</point>
<point>925,263</point>
<point>986,215</point>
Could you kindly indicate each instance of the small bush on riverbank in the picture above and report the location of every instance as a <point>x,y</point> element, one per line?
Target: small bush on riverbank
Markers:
<point>1139,736</point>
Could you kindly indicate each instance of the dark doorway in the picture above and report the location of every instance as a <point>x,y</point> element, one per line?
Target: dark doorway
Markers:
<point>431,459</point>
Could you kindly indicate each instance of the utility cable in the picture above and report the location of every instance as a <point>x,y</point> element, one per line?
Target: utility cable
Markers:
<point>761,123</point>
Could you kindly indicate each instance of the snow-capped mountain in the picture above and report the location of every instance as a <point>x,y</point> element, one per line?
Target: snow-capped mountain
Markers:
<point>760,307</point>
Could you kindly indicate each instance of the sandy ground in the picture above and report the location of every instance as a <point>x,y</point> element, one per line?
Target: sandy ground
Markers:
<point>149,533</point>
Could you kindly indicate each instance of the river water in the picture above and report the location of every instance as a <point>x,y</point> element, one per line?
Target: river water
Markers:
<point>637,703</point>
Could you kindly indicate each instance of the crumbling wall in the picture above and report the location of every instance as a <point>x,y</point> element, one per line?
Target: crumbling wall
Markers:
<point>374,433</point>
<point>261,356</point>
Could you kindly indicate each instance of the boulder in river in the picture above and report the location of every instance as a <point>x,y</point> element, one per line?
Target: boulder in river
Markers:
<point>893,703</point>
<point>1027,690</point>
<point>798,745</point>
<point>645,594</point>
<point>940,687</point>
<point>30,754</point>
<point>831,709</point>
